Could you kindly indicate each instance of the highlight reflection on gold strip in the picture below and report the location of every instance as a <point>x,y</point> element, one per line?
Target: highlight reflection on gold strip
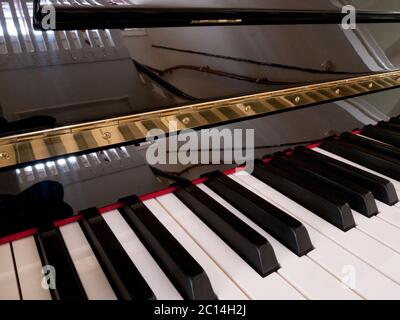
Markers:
<point>69,143</point>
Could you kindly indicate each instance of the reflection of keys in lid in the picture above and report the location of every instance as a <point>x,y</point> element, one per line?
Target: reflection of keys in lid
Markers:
<point>104,155</point>
<point>29,173</point>
<point>124,152</point>
<point>113,154</point>
<point>73,161</point>
<point>85,161</point>
<point>40,170</point>
<point>62,164</point>
<point>51,166</point>
<point>59,166</point>
<point>94,158</point>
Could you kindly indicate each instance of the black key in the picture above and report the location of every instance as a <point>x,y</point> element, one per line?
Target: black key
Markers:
<point>121,272</point>
<point>283,227</point>
<point>381,188</point>
<point>381,134</point>
<point>297,187</point>
<point>185,273</point>
<point>379,147</point>
<point>395,120</point>
<point>359,198</point>
<point>389,126</point>
<point>385,165</point>
<point>53,252</point>
<point>43,203</point>
<point>248,243</point>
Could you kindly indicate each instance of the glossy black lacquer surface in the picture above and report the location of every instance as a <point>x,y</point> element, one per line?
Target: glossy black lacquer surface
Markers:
<point>150,69</point>
<point>86,76</point>
<point>128,16</point>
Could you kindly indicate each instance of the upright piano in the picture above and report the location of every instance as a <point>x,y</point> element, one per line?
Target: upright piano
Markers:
<point>314,213</point>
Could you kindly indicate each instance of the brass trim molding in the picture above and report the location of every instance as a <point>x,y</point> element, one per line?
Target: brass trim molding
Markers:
<point>46,144</point>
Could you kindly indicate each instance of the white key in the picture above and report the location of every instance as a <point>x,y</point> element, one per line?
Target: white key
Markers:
<point>388,213</point>
<point>144,262</point>
<point>381,257</point>
<point>223,286</point>
<point>350,270</point>
<point>379,229</point>
<point>29,269</point>
<point>367,282</point>
<point>8,279</point>
<point>303,273</point>
<point>255,286</point>
<point>88,268</point>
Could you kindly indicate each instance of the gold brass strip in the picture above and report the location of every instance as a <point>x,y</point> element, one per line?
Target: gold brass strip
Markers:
<point>8,155</point>
<point>188,120</point>
<point>23,151</point>
<point>82,142</point>
<point>55,145</point>
<point>210,116</point>
<point>83,137</point>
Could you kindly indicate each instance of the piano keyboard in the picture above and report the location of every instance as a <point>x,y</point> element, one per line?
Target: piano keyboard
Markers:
<point>314,223</point>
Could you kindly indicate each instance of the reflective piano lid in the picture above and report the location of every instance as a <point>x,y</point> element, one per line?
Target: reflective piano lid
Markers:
<point>271,4</point>
<point>388,5</point>
<point>81,76</point>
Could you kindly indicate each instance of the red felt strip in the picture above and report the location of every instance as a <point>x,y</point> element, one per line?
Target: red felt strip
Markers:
<point>314,145</point>
<point>64,222</point>
<point>18,236</point>
<point>200,181</point>
<point>234,170</point>
<point>158,194</point>
<point>111,207</point>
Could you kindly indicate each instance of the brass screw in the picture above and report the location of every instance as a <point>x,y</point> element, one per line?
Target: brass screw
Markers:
<point>186,120</point>
<point>398,79</point>
<point>297,99</point>
<point>4,155</point>
<point>370,85</point>
<point>107,135</point>
<point>337,92</point>
<point>247,109</point>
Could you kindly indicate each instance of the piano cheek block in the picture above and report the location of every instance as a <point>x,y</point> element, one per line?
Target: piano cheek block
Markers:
<point>184,272</point>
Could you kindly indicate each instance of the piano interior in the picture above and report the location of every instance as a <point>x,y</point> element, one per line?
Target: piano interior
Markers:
<point>199,150</point>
